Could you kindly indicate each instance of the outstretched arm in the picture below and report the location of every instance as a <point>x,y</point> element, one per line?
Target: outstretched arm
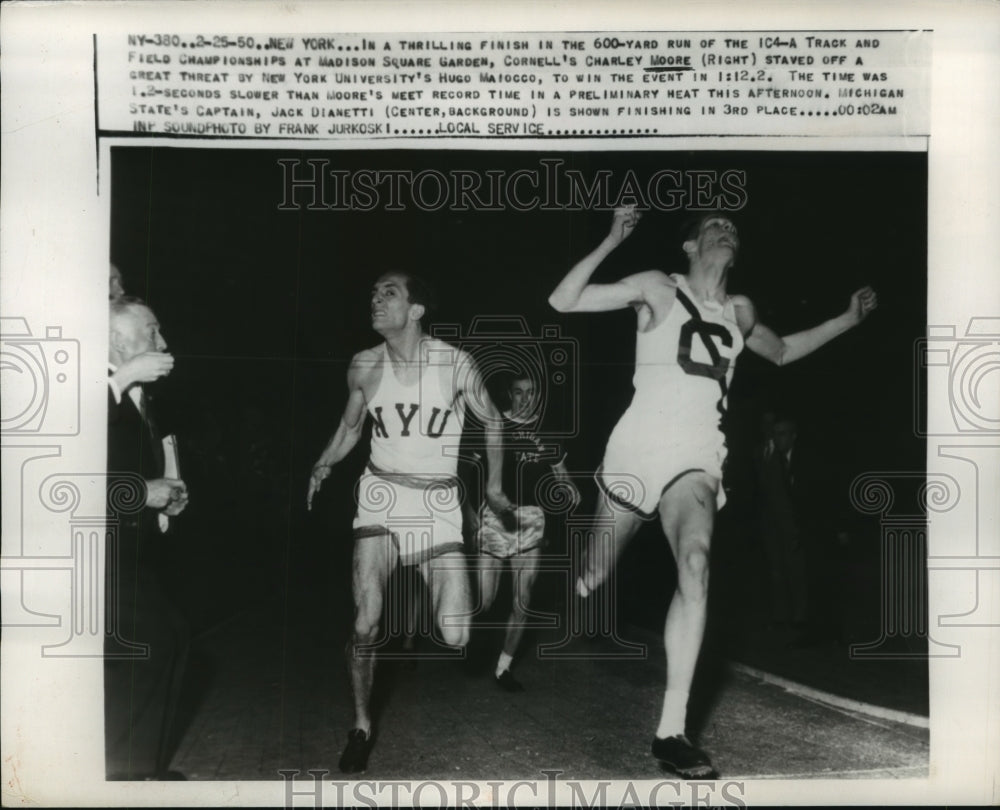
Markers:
<point>575,293</point>
<point>344,438</point>
<point>782,350</point>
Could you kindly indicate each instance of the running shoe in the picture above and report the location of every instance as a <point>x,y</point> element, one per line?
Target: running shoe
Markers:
<point>355,756</point>
<point>679,755</point>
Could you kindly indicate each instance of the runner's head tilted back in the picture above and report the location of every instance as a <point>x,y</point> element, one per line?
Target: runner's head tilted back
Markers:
<point>712,244</point>
<point>400,302</point>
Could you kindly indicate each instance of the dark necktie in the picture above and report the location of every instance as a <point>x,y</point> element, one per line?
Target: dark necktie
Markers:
<point>150,423</point>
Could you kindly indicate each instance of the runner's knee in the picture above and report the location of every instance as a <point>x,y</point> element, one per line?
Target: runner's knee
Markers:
<point>692,571</point>
<point>366,626</point>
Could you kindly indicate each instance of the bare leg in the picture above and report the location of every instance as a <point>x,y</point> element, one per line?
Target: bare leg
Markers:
<point>490,568</point>
<point>687,511</point>
<point>374,559</point>
<point>524,571</point>
<point>447,577</point>
<point>614,526</point>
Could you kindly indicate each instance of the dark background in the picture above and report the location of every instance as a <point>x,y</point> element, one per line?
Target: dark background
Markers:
<point>263,309</point>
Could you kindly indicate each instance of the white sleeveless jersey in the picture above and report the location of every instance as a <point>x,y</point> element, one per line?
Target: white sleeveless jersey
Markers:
<point>683,367</point>
<point>416,428</point>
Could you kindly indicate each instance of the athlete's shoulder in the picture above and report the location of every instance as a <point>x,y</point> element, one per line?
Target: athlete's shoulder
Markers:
<point>365,363</point>
<point>455,367</point>
<point>368,357</point>
<point>654,288</point>
<point>434,344</point>
<point>745,313</point>
<point>652,279</point>
<point>437,352</point>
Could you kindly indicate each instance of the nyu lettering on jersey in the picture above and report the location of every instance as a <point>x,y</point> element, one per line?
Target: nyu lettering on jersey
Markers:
<point>683,367</point>
<point>416,428</point>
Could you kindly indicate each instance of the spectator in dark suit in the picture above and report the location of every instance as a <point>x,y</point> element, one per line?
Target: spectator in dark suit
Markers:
<point>146,637</point>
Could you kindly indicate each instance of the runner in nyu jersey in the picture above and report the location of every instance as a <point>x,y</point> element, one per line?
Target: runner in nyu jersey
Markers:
<point>415,424</point>
<point>414,388</point>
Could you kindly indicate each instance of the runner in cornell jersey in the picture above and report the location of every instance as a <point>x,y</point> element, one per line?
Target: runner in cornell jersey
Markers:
<point>683,369</point>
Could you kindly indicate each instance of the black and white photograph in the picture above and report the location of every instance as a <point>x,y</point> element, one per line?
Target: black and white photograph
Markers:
<point>606,467</point>
<point>270,307</point>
